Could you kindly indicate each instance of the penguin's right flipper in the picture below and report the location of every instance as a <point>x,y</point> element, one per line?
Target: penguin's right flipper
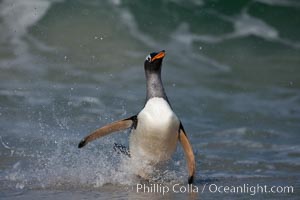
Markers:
<point>109,128</point>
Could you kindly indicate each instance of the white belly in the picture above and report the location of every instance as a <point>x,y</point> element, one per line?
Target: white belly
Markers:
<point>155,137</point>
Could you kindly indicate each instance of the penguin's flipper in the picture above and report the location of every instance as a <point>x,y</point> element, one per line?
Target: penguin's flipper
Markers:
<point>109,128</point>
<point>188,151</point>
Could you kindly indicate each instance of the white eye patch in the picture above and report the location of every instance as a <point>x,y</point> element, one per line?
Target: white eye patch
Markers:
<point>148,58</point>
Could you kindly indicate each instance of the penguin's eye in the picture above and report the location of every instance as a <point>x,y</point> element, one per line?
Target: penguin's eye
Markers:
<point>148,58</point>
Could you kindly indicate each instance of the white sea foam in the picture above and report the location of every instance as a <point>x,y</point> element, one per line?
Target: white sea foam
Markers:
<point>246,25</point>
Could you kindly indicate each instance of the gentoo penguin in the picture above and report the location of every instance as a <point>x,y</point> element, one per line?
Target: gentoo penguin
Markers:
<point>156,129</point>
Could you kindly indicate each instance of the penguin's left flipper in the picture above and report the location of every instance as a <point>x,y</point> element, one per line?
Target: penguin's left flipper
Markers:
<point>188,151</point>
<point>109,128</point>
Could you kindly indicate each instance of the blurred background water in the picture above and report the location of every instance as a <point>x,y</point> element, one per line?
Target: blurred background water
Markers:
<point>232,74</point>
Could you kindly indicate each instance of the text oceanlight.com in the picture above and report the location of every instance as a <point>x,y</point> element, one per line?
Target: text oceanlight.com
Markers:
<point>214,188</point>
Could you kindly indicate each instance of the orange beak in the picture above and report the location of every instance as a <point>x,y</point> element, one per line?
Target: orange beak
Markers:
<point>159,55</point>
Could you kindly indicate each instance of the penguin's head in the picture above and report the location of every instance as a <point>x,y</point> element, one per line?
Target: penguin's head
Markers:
<point>154,60</point>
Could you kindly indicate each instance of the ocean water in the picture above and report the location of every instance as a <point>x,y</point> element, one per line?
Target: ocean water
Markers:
<point>67,67</point>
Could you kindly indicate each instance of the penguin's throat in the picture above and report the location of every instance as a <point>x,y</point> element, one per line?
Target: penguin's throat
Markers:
<point>155,86</point>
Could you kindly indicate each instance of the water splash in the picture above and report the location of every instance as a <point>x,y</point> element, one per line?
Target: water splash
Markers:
<point>52,160</point>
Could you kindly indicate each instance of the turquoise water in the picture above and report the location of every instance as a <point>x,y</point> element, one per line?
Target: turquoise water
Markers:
<point>67,67</point>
